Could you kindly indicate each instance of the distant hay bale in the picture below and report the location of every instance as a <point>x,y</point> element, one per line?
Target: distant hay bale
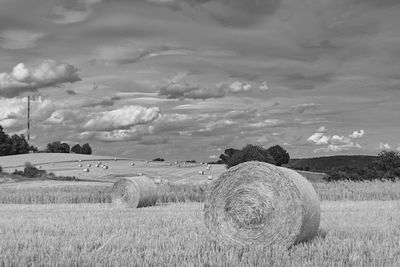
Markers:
<point>105,167</point>
<point>140,174</point>
<point>89,165</point>
<point>157,181</point>
<point>86,170</point>
<point>208,168</point>
<point>80,165</point>
<point>80,160</point>
<point>201,172</point>
<point>135,192</point>
<point>259,204</point>
<point>209,177</point>
<point>97,165</point>
<point>132,164</point>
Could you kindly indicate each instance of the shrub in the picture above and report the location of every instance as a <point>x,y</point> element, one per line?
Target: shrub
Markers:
<point>76,149</point>
<point>58,147</point>
<point>159,159</point>
<point>30,171</point>
<point>280,155</point>
<point>86,149</point>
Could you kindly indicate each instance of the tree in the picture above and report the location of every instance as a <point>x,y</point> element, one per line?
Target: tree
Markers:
<point>16,144</point>
<point>227,154</point>
<point>250,153</point>
<point>76,149</point>
<point>86,149</point>
<point>280,155</point>
<point>57,147</point>
<point>5,143</point>
<point>388,161</point>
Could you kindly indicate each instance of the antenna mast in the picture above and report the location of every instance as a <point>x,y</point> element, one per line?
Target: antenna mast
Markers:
<point>29,111</point>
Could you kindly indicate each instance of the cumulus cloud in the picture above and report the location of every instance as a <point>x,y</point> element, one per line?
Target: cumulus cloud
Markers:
<point>13,111</point>
<point>238,87</point>
<point>384,146</point>
<point>319,139</point>
<point>26,78</point>
<point>19,39</point>
<point>357,134</point>
<point>336,143</point>
<point>134,133</point>
<point>120,120</point>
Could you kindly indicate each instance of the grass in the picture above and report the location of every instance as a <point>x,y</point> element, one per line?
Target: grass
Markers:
<point>355,234</point>
<point>56,192</point>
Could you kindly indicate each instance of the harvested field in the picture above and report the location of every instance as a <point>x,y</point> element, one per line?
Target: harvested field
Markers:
<point>175,235</point>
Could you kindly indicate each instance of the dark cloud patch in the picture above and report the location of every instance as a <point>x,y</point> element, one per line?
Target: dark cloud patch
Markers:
<point>70,92</point>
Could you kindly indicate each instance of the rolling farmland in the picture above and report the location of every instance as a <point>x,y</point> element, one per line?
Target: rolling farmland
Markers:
<point>76,224</point>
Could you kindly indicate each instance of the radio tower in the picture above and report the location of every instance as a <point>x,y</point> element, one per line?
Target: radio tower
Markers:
<point>29,111</point>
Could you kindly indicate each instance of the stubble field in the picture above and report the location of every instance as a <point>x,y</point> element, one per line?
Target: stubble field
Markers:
<point>75,224</point>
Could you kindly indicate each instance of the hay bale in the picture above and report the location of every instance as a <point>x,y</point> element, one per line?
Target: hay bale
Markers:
<point>135,192</point>
<point>79,165</point>
<point>201,172</point>
<point>157,181</point>
<point>86,170</point>
<point>89,165</point>
<point>209,177</point>
<point>132,164</point>
<point>259,204</point>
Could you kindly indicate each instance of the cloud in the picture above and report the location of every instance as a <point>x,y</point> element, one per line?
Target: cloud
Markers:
<point>228,12</point>
<point>319,139</point>
<point>13,111</point>
<point>19,39</point>
<point>134,133</point>
<point>398,148</point>
<point>120,120</point>
<point>384,146</point>
<point>238,87</point>
<point>182,90</point>
<point>357,134</point>
<point>129,52</point>
<point>263,86</point>
<point>71,11</point>
<point>336,143</point>
<point>301,108</point>
<point>25,78</point>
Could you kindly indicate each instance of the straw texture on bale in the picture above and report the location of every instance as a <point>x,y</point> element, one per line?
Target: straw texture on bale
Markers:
<point>259,204</point>
<point>135,192</point>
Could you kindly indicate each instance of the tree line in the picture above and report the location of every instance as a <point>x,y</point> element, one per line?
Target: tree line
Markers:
<point>17,144</point>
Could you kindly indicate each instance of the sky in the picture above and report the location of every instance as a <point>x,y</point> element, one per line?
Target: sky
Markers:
<point>186,79</point>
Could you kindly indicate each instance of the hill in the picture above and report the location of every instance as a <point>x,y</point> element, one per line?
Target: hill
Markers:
<point>323,164</point>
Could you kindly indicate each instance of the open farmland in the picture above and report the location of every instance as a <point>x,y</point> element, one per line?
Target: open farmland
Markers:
<point>88,230</point>
<point>173,235</point>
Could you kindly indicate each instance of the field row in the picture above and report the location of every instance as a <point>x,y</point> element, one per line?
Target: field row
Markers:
<point>83,192</point>
<point>171,235</point>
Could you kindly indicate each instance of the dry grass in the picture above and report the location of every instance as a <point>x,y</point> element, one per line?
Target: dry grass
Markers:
<point>43,192</point>
<point>357,234</point>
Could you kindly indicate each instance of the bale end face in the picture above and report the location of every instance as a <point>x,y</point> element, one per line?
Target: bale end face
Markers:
<point>259,204</point>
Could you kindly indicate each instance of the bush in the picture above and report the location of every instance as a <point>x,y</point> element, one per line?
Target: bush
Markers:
<point>280,155</point>
<point>250,153</point>
<point>159,159</point>
<point>30,171</point>
<point>1,169</point>
<point>12,145</point>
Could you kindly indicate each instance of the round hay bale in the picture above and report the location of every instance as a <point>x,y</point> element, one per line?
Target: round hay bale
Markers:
<point>259,204</point>
<point>89,165</point>
<point>157,181</point>
<point>132,164</point>
<point>201,172</point>
<point>209,177</point>
<point>135,192</point>
<point>80,165</point>
<point>85,170</point>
